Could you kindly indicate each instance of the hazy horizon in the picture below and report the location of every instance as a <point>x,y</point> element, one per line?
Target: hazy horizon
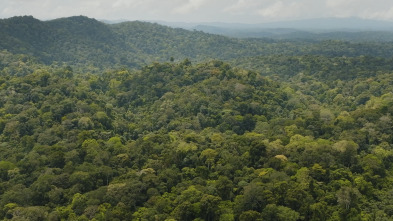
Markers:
<point>199,11</point>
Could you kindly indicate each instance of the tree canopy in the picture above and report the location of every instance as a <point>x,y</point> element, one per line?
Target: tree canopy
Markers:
<point>297,136</point>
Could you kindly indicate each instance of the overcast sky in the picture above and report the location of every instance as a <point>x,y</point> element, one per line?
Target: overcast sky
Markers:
<point>241,11</point>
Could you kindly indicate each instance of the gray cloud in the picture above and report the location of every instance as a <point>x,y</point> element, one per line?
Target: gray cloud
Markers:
<point>249,11</point>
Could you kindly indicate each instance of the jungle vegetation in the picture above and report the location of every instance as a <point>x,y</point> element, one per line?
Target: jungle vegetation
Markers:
<point>137,121</point>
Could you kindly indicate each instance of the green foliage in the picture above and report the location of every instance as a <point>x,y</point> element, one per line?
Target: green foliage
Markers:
<point>301,137</point>
<point>274,212</point>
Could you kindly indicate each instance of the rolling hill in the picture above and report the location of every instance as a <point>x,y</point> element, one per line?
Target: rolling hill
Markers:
<point>82,41</point>
<point>283,130</point>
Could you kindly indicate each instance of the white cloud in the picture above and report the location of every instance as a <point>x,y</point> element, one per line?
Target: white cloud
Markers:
<point>128,3</point>
<point>241,6</point>
<point>339,3</point>
<point>290,9</point>
<point>387,14</point>
<point>272,10</point>
<point>191,5</point>
<point>375,9</point>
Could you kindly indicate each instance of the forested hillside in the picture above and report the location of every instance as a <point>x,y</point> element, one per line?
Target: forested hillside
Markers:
<point>87,43</point>
<point>279,130</point>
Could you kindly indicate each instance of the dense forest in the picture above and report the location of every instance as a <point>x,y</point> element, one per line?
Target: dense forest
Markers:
<point>137,121</point>
<point>86,42</point>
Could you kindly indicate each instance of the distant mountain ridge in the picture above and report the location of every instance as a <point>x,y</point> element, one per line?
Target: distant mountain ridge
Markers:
<point>318,24</point>
<point>84,41</point>
<point>288,34</point>
<point>321,29</point>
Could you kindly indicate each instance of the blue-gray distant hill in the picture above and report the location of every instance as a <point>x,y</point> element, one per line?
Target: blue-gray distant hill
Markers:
<point>349,29</point>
